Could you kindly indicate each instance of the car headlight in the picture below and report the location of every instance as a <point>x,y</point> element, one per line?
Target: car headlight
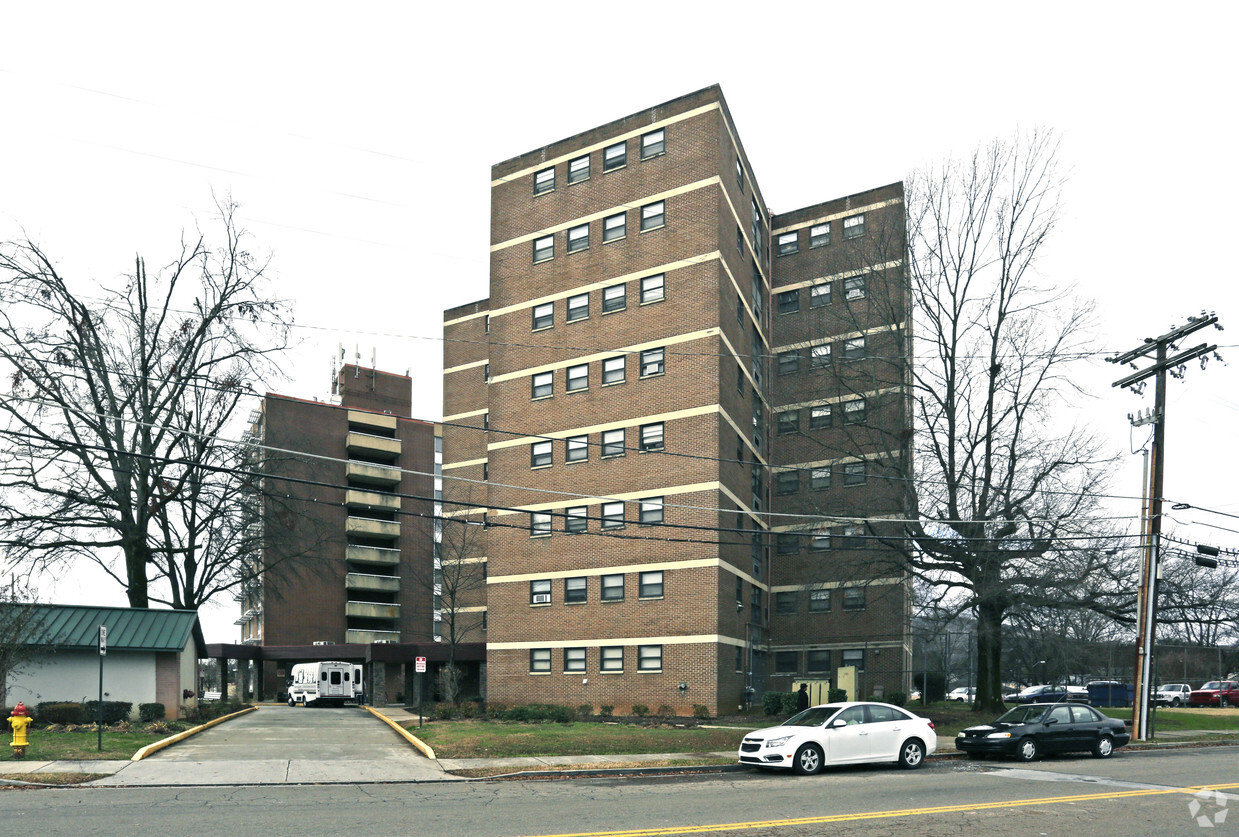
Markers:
<point>999,735</point>
<point>778,742</point>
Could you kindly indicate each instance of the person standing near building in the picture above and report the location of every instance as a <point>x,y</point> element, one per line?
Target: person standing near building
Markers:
<point>802,698</point>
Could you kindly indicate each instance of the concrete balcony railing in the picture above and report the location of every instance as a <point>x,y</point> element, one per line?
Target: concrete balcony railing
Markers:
<point>383,424</point>
<point>372,610</point>
<point>372,583</point>
<point>355,499</point>
<point>353,635</point>
<point>365,527</point>
<point>380,446</point>
<point>370,474</point>
<point>375,556</point>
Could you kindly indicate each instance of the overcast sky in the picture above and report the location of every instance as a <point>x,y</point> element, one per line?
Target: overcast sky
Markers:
<point>358,140</point>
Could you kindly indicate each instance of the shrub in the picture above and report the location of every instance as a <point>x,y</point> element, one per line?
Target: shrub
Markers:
<point>113,711</point>
<point>148,712</point>
<point>443,711</point>
<point>606,710</point>
<point>468,709</point>
<point>496,710</point>
<point>837,695</point>
<point>666,711</point>
<point>897,698</point>
<point>158,727</point>
<point>585,710</point>
<point>772,703</point>
<point>700,710</point>
<point>60,712</point>
<point>640,710</point>
<point>537,712</point>
<point>790,703</point>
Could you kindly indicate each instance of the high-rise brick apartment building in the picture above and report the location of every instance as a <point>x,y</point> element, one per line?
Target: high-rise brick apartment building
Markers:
<point>674,412</point>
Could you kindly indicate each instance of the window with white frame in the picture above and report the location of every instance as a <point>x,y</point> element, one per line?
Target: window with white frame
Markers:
<point>854,473</point>
<point>613,587</point>
<point>578,307</point>
<point>854,657</point>
<point>575,591</point>
<point>787,543</point>
<point>854,287</point>
<point>820,416</point>
<point>577,449</point>
<point>740,174</point>
<point>652,288</point>
<point>613,442</point>
<point>539,660</point>
<point>787,243</point>
<point>653,144</point>
<point>543,315</point>
<point>819,235</point>
<point>614,227</point>
<point>652,362</point>
<point>544,181</point>
<point>651,510</point>
<point>578,377</point>
<point>819,356</point>
<point>819,601</point>
<point>540,454</point>
<point>615,156</point>
<point>854,411</point>
<point>540,591</point>
<point>818,661</point>
<point>786,662</point>
<point>578,169</point>
<point>614,298</point>
<point>819,295</point>
<point>574,659</point>
<point>578,238</point>
<point>854,348</point>
<point>787,482</point>
<point>788,302</point>
<point>787,421</point>
<point>543,248</point>
<point>651,585</point>
<point>820,540</point>
<point>611,658</point>
<point>539,524</point>
<point>612,515</point>
<point>652,436</point>
<point>785,601</point>
<point>543,384</point>
<point>576,519</point>
<point>649,658</point>
<point>789,362</point>
<point>653,215</point>
<point>819,478</point>
<point>614,370</point>
<point>854,227</point>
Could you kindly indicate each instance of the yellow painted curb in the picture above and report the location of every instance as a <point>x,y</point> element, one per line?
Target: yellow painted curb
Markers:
<point>412,739</point>
<point>181,736</point>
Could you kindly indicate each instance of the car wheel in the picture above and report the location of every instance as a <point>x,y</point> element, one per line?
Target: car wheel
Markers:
<point>912,755</point>
<point>1027,750</point>
<point>808,760</point>
<point>292,702</point>
<point>1223,702</point>
<point>1176,703</point>
<point>1104,748</point>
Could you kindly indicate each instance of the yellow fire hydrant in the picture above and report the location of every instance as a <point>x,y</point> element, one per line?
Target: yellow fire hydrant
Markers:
<point>19,720</point>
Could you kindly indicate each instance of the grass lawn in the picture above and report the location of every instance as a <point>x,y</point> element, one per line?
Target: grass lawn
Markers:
<point>78,746</point>
<point>498,739</point>
<point>54,778</point>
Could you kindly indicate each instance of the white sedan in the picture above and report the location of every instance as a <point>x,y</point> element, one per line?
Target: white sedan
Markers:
<point>842,733</point>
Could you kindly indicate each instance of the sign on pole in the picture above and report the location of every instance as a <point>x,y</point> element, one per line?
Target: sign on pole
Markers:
<point>103,640</point>
<point>419,664</point>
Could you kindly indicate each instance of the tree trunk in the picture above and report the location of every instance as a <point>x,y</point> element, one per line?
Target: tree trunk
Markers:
<point>989,655</point>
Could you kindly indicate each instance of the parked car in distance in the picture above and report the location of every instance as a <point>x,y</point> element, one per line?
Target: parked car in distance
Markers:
<point>1052,694</point>
<point>842,733</point>
<point>963,694</point>
<point>1215,693</point>
<point>1172,694</point>
<point>1109,693</point>
<point>1029,731</point>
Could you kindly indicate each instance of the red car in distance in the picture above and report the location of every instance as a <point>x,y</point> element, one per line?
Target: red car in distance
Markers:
<point>1215,693</point>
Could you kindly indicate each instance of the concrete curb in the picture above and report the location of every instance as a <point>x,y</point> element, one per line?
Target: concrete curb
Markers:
<point>404,733</point>
<point>151,749</point>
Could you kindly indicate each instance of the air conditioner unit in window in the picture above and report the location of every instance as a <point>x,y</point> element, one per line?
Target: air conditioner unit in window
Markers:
<point>542,598</point>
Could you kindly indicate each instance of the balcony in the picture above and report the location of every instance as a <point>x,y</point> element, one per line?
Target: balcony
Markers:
<point>381,423</point>
<point>365,527</point>
<point>365,582</point>
<point>374,556</point>
<point>355,499</point>
<point>366,637</point>
<point>368,445</point>
<point>372,610</point>
<point>369,474</point>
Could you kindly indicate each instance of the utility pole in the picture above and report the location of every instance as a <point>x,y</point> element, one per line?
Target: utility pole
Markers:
<point>1146,601</point>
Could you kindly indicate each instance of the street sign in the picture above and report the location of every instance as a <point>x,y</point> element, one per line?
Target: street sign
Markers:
<point>420,665</point>
<point>103,640</point>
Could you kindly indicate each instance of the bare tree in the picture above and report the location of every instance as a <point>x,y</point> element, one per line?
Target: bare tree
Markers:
<point>21,621</point>
<point>120,406</point>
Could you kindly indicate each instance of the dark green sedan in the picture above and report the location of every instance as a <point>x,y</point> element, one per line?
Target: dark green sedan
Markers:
<point>1029,731</point>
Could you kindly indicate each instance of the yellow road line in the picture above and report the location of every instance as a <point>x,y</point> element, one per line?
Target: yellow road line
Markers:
<point>875,815</point>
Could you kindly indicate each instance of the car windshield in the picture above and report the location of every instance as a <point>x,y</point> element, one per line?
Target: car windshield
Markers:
<point>1212,684</point>
<point>1022,715</point>
<point>814,716</point>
